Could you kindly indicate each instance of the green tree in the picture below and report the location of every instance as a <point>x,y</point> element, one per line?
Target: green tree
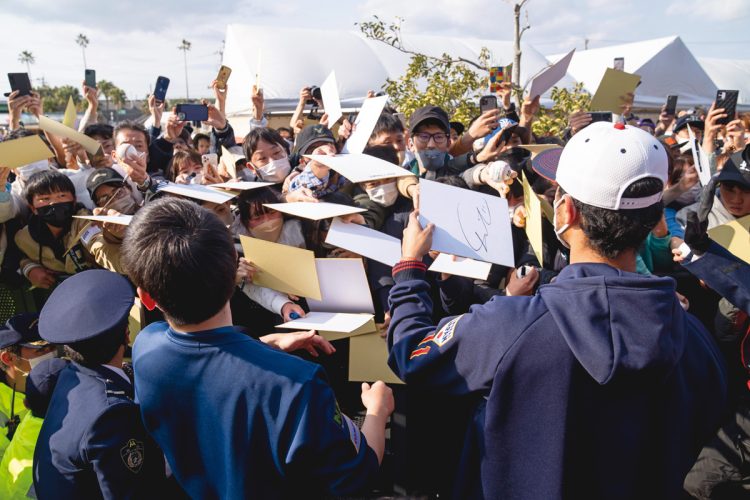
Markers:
<point>56,98</point>
<point>453,83</point>
<point>111,92</point>
<point>27,58</point>
<point>83,42</point>
<point>552,121</point>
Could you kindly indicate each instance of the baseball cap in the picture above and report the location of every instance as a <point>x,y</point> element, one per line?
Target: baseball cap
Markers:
<point>601,161</point>
<point>22,329</point>
<point>735,169</point>
<point>310,135</point>
<point>507,126</point>
<point>693,120</point>
<point>646,122</point>
<point>102,176</point>
<point>429,113</point>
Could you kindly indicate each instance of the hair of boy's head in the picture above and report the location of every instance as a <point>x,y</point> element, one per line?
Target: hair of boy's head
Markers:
<point>453,180</point>
<point>183,256</point>
<point>48,182</point>
<point>251,202</point>
<point>99,350</point>
<point>197,138</point>
<point>99,130</point>
<point>133,126</point>
<point>265,134</point>
<point>384,152</point>
<point>288,130</point>
<point>610,232</point>
<point>677,165</point>
<point>388,123</point>
<point>179,159</point>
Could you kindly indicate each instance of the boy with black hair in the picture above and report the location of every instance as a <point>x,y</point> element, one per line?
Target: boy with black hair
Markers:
<point>53,242</point>
<point>599,386</point>
<point>261,423</point>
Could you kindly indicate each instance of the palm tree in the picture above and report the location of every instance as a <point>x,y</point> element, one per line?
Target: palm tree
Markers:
<point>83,42</point>
<point>27,58</point>
<point>184,47</point>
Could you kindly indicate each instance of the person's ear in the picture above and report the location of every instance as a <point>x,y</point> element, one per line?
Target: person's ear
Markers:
<point>569,212</point>
<point>6,358</point>
<point>148,301</point>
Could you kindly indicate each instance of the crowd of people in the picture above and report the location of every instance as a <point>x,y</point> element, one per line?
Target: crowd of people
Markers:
<point>614,366</point>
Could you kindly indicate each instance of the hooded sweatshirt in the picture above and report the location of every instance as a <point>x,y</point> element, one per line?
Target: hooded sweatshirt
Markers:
<point>600,386</point>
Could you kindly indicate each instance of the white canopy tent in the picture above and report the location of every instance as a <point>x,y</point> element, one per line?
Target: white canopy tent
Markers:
<point>291,58</point>
<point>730,74</point>
<point>666,66</point>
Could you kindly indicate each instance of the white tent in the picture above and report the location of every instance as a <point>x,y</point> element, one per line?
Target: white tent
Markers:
<point>730,74</point>
<point>666,66</point>
<point>291,58</point>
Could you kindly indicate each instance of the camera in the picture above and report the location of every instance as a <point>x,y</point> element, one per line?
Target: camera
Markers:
<point>317,96</point>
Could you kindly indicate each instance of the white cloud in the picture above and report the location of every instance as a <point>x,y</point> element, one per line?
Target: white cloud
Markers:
<point>707,10</point>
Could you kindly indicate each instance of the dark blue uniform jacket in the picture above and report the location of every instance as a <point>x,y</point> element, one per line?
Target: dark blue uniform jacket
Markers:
<point>239,419</point>
<point>600,386</point>
<point>92,443</point>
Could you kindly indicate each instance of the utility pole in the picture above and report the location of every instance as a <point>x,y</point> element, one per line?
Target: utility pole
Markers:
<point>184,47</point>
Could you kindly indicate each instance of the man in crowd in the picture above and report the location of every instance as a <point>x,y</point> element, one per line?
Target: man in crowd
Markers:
<point>601,380</point>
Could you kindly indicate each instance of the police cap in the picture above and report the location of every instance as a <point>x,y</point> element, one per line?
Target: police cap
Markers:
<point>86,306</point>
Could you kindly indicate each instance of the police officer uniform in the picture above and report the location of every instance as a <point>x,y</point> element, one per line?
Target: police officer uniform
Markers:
<point>20,330</point>
<point>92,443</point>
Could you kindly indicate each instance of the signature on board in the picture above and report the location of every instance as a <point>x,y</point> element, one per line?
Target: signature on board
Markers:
<point>475,222</point>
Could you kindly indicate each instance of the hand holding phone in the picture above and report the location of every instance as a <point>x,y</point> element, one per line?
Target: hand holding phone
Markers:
<point>487,103</point>
<point>20,82</point>
<point>222,77</point>
<point>160,89</point>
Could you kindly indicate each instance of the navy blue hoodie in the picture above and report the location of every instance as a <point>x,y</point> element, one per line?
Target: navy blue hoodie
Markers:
<point>600,386</point>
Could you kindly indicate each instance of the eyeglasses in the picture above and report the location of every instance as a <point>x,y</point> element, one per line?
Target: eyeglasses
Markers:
<point>423,138</point>
<point>117,193</point>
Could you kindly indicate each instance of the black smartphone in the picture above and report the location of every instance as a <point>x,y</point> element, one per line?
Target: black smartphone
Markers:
<point>160,89</point>
<point>671,107</point>
<point>192,112</point>
<point>619,64</point>
<point>20,82</point>
<point>90,78</point>
<point>727,100</point>
<point>487,103</point>
<point>601,116</point>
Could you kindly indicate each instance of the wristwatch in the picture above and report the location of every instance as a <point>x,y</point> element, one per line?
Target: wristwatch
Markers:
<point>145,185</point>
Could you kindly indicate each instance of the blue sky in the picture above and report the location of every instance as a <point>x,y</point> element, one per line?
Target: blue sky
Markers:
<point>133,41</point>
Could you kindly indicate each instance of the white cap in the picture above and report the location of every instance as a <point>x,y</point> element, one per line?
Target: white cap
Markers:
<point>601,161</point>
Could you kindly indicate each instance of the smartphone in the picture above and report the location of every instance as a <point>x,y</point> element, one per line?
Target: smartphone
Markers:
<point>192,112</point>
<point>487,103</point>
<point>90,78</point>
<point>210,159</point>
<point>619,63</point>
<point>223,76</point>
<point>671,107</point>
<point>727,100</point>
<point>20,82</point>
<point>508,73</point>
<point>601,116</point>
<point>160,90</point>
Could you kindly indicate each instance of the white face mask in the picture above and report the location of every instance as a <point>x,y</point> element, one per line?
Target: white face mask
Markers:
<point>275,170</point>
<point>28,170</point>
<point>384,195</point>
<point>559,232</point>
<point>35,361</point>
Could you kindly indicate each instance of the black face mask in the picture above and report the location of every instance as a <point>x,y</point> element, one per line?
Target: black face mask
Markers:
<point>58,214</point>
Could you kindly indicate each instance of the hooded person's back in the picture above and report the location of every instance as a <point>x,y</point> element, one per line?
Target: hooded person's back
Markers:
<point>599,386</point>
